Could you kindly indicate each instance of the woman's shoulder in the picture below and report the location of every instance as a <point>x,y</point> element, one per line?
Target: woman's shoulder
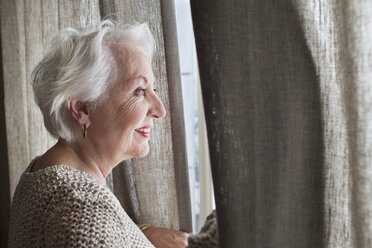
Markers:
<point>59,185</point>
<point>65,182</point>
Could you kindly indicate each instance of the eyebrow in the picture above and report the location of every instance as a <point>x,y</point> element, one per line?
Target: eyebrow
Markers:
<point>135,78</point>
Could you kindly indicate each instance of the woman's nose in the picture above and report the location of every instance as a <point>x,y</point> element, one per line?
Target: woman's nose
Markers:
<point>157,109</point>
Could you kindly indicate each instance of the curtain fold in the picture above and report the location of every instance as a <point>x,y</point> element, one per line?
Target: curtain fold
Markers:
<point>4,170</point>
<point>287,95</point>
<point>168,12</point>
<point>124,187</point>
<point>323,25</point>
<point>357,93</point>
<point>262,105</point>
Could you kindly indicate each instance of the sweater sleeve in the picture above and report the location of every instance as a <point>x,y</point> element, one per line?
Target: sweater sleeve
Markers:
<point>82,222</point>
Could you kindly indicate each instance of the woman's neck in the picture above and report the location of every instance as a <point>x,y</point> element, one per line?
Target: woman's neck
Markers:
<point>71,154</point>
<point>87,159</point>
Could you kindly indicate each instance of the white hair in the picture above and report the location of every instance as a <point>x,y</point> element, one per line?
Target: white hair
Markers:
<point>81,64</point>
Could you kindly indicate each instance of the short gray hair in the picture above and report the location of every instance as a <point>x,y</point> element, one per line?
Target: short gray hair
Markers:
<point>81,64</point>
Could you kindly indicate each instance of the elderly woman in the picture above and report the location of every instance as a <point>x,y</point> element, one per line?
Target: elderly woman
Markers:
<point>96,92</point>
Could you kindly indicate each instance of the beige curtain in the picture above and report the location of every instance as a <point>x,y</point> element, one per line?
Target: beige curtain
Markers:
<point>287,94</point>
<point>154,189</point>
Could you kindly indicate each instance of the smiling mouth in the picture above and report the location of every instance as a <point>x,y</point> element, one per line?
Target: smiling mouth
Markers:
<point>144,131</point>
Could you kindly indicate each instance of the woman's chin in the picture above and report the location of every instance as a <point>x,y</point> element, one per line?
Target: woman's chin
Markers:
<point>142,153</point>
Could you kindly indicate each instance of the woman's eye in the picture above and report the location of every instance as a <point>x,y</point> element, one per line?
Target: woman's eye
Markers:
<point>140,92</point>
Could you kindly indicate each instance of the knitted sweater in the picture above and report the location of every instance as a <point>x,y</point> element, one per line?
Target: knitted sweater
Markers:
<point>60,206</point>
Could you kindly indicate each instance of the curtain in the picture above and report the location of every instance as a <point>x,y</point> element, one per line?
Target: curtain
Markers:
<point>153,190</point>
<point>287,92</point>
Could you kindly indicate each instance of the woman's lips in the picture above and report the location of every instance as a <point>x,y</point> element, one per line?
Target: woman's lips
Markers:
<point>144,131</point>
<point>147,135</point>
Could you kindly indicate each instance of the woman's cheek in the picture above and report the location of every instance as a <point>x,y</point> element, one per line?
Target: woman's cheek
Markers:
<point>125,107</point>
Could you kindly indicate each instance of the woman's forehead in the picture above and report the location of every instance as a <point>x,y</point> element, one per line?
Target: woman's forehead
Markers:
<point>133,64</point>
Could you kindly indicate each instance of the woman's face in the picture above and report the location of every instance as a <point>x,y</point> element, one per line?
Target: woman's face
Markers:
<point>122,124</point>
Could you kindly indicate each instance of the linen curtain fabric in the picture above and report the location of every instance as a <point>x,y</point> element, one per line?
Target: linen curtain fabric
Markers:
<point>287,94</point>
<point>153,190</point>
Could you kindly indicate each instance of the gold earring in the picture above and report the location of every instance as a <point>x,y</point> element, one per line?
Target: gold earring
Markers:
<point>84,130</point>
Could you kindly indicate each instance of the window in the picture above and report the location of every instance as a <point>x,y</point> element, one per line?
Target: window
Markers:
<point>192,104</point>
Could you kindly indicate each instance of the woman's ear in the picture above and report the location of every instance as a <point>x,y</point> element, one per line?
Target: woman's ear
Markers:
<point>79,112</point>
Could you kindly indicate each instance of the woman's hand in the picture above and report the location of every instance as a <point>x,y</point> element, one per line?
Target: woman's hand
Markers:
<point>166,238</point>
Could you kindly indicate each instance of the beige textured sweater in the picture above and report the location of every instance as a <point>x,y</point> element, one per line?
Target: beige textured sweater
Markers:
<point>60,206</point>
